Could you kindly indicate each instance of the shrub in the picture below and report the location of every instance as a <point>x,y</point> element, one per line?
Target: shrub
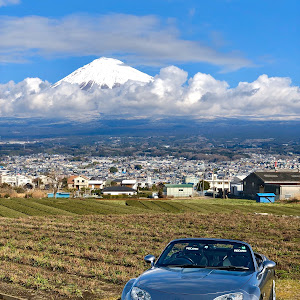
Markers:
<point>19,190</point>
<point>38,194</point>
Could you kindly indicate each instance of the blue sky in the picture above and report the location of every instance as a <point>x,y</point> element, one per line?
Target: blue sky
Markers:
<point>232,40</point>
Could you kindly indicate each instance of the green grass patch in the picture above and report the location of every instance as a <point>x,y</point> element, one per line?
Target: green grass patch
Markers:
<point>22,207</point>
<point>46,207</point>
<point>10,213</point>
<point>48,210</point>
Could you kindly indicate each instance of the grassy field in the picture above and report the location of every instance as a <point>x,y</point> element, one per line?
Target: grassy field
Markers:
<point>14,208</point>
<point>59,249</point>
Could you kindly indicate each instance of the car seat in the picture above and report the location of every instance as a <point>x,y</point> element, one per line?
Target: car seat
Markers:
<point>196,255</point>
<point>237,259</point>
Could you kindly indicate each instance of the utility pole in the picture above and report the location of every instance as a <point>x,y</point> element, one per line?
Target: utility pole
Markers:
<point>213,181</point>
<point>223,190</point>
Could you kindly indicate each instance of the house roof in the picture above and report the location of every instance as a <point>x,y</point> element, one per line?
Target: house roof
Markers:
<point>118,180</point>
<point>97,178</point>
<point>129,181</point>
<point>179,185</point>
<point>279,176</point>
<point>71,179</point>
<point>236,180</point>
<point>118,189</point>
<point>82,176</point>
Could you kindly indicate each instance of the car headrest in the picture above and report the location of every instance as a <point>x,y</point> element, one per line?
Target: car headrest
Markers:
<point>194,248</point>
<point>239,250</point>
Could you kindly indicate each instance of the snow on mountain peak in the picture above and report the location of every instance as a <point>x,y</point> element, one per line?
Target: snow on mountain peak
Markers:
<point>104,72</point>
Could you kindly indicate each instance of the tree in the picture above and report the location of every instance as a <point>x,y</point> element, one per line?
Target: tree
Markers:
<point>160,193</point>
<point>138,167</point>
<point>113,170</point>
<point>203,185</point>
<point>154,187</point>
<point>37,181</point>
<point>64,182</point>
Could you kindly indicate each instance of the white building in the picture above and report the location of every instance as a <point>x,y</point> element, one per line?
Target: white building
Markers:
<point>236,185</point>
<point>15,180</point>
<point>217,185</point>
<point>96,183</point>
<point>129,183</point>
<point>178,190</point>
<point>119,190</point>
<point>191,179</point>
<point>78,182</point>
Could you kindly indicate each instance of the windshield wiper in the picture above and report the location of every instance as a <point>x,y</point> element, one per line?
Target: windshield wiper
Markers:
<point>231,268</point>
<point>182,266</point>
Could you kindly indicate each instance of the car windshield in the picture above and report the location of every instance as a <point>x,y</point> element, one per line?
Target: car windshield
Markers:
<point>222,255</point>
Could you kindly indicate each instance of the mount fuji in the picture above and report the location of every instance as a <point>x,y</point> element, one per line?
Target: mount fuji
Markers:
<point>104,73</point>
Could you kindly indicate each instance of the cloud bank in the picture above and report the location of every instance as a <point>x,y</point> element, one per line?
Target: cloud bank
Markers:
<point>146,40</point>
<point>171,93</point>
<point>9,2</point>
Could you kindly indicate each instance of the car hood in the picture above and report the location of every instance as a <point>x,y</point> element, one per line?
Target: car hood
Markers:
<point>193,281</point>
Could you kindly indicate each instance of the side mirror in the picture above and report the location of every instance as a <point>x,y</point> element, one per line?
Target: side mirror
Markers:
<point>150,259</point>
<point>269,264</point>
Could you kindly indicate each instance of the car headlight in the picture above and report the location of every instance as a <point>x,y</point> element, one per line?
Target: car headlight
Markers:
<point>139,294</point>
<point>231,296</point>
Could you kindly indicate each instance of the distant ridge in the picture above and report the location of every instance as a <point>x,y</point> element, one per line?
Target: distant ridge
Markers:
<point>105,73</point>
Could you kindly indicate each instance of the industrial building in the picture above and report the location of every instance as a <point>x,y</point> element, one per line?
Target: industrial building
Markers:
<point>178,190</point>
<point>284,185</point>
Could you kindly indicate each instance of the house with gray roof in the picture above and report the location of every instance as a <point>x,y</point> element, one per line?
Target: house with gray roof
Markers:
<point>283,184</point>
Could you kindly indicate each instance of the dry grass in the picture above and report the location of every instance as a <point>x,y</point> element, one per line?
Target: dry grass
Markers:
<point>288,289</point>
<point>37,194</point>
<point>93,256</point>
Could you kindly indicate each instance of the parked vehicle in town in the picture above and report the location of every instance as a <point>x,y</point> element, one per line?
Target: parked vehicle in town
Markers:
<point>208,269</point>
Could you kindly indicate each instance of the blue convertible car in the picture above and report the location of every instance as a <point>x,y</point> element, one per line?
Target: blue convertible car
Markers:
<point>208,269</point>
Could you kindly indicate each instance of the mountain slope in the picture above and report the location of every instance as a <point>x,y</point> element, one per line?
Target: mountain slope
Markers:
<point>104,72</point>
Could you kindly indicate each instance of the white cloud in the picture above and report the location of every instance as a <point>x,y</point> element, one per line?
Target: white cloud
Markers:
<point>145,40</point>
<point>169,94</point>
<point>9,2</point>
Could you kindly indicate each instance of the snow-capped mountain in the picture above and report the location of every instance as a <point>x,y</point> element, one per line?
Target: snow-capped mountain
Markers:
<point>106,73</point>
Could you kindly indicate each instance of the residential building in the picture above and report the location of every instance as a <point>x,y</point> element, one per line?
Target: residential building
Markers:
<point>78,182</point>
<point>191,180</point>
<point>236,186</point>
<point>129,183</point>
<point>218,186</point>
<point>96,183</point>
<point>16,180</point>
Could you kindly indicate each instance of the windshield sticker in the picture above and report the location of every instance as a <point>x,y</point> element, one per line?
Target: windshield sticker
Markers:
<point>239,250</point>
<point>192,248</point>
